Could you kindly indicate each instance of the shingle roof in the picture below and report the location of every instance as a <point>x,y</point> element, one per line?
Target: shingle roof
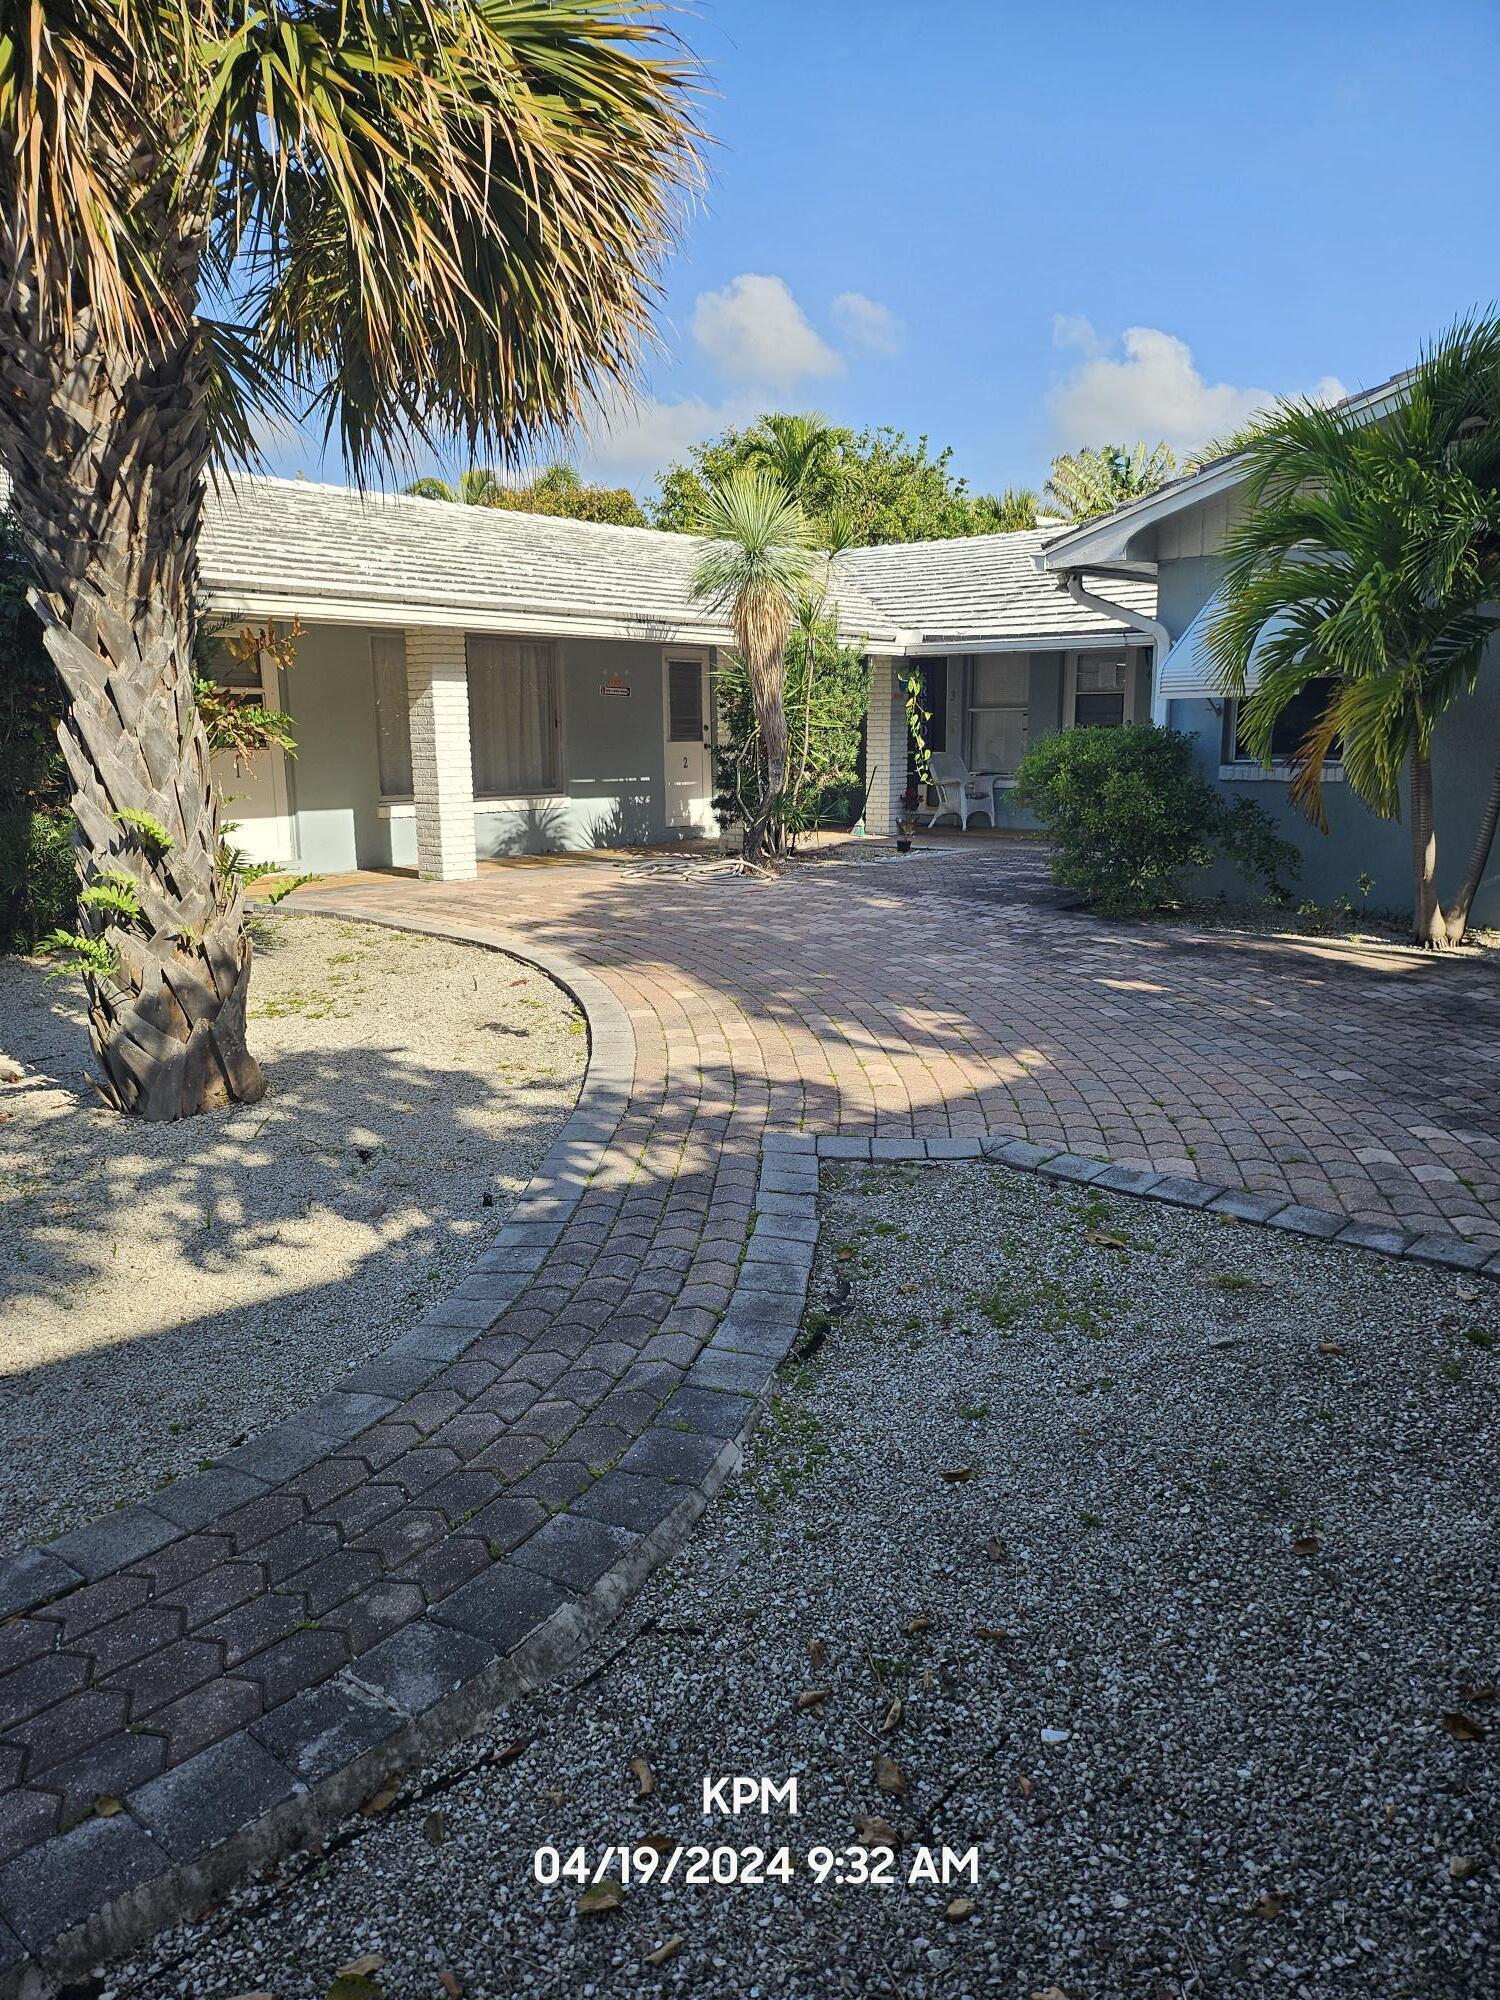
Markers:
<point>981,589</point>
<point>292,545</point>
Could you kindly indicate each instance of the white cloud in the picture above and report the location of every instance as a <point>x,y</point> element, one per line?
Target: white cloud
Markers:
<point>1151,389</point>
<point>867,324</point>
<point>754,331</point>
<point>638,439</point>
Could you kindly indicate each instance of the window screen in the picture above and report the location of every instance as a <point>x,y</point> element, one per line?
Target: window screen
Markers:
<point>513,725</point>
<point>684,701</point>
<point>392,715</point>
<point>999,687</point>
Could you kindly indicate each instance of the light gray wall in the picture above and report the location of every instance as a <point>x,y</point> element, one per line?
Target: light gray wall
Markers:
<point>1357,842</point>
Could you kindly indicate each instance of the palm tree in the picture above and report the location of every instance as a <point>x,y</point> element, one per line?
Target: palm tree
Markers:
<point>1367,569</point>
<point>1100,478</point>
<point>479,486</point>
<point>1015,508</point>
<point>414,217</point>
<point>757,565</point>
<point>800,452</point>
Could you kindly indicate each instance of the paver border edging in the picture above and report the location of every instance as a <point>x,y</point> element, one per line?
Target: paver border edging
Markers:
<point>187,1835</point>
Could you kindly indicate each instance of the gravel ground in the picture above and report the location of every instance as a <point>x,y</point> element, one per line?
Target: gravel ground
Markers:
<point>1163,1570</point>
<point>169,1289</point>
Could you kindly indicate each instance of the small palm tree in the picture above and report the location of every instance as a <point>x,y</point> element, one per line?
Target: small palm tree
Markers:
<point>756,567</point>
<point>1368,565</point>
<point>415,217</point>
<point>1015,508</point>
<point>1100,478</point>
<point>479,486</point>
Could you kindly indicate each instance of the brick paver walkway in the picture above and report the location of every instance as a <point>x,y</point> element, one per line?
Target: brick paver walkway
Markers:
<point>942,998</point>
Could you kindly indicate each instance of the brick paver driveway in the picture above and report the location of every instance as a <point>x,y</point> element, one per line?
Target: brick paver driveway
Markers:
<point>939,998</point>
<point>951,995</point>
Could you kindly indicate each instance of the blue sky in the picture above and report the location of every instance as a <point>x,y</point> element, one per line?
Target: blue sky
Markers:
<point>1022,228</point>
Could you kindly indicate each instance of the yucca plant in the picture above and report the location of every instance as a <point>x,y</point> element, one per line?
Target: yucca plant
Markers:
<point>406,218</point>
<point>1369,559</point>
<point>757,564</point>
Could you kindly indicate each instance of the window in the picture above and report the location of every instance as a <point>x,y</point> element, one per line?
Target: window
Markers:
<point>999,686</point>
<point>1098,693</point>
<point>1293,723</point>
<point>513,728</point>
<point>392,714</point>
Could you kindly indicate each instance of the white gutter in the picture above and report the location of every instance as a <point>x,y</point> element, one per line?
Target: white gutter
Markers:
<point>1161,638</point>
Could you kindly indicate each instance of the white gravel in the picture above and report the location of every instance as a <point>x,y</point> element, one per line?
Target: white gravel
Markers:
<point>170,1289</point>
<point>1200,1766</point>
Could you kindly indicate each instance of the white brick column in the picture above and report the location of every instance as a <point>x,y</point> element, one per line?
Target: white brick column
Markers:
<point>885,744</point>
<point>437,687</point>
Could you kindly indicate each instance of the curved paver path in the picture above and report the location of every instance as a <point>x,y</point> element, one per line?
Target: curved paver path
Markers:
<point>249,1653</point>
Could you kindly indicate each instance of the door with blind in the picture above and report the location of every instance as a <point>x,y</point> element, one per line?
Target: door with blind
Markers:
<point>689,759</point>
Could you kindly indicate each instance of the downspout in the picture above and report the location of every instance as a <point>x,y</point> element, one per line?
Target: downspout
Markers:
<point>1161,638</point>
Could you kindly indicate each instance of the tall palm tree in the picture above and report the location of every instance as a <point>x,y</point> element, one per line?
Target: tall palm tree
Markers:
<point>1100,478</point>
<point>1369,561</point>
<point>799,451</point>
<point>756,566</point>
<point>415,217</point>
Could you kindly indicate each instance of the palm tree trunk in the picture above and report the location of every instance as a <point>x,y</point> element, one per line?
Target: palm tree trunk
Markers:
<point>1428,927</point>
<point>108,471</point>
<point>1479,860</point>
<point>770,716</point>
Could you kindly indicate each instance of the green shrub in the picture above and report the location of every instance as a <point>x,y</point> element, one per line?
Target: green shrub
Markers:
<point>1128,815</point>
<point>38,883</point>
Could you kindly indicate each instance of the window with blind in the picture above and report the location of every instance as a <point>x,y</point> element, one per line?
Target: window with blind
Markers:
<point>999,691</point>
<point>513,716</point>
<point>1099,693</point>
<point>392,713</point>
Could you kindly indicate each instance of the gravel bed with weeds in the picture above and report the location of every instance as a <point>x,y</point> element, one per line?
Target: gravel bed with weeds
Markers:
<point>1152,1555</point>
<point>170,1289</point>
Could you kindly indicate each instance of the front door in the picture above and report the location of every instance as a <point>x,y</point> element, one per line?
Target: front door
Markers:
<point>689,759</point>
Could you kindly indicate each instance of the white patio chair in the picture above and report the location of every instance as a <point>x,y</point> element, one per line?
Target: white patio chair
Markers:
<point>960,791</point>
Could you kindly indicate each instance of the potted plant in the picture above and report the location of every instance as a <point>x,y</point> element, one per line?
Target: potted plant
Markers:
<point>906,826</point>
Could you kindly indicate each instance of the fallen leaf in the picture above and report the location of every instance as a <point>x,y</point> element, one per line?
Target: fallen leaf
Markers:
<point>890,1777</point>
<point>1464,1867</point>
<point>1467,1292</point>
<point>996,1549</point>
<point>645,1777</point>
<point>892,1717</point>
<point>908,1291</point>
<point>659,1843</point>
<point>1329,1347</point>
<point>554,1795</point>
<point>361,1968</point>
<point>599,1898</point>
<point>958,1475</point>
<point>665,1951</point>
<point>810,1697</point>
<point>1482,1691</point>
<point>921,1623</point>
<point>1269,1905</point>
<point>1463,1728</point>
<point>107,1805</point>
<point>959,1908</point>
<point>1026,1786</point>
<point>876,1832</point>
<point>1306,1545</point>
<point>817,1652</point>
<point>1101,1240</point>
<point>844,1256</point>
<point>996,1632</point>
<point>384,1799</point>
<point>451,1984</point>
<point>435,1828</point>
<point>1047,1993</point>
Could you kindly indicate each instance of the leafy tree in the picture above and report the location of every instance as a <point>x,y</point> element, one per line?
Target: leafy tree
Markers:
<point>1128,814</point>
<point>856,488</point>
<point>1367,568</point>
<point>557,491</point>
<point>37,882</point>
<point>756,567</point>
<point>1100,478</point>
<point>414,217</point>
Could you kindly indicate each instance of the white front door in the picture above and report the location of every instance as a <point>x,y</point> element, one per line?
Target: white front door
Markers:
<point>689,759</point>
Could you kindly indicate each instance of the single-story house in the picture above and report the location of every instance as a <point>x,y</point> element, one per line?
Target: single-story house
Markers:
<point>473,683</point>
<point>1173,538</point>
